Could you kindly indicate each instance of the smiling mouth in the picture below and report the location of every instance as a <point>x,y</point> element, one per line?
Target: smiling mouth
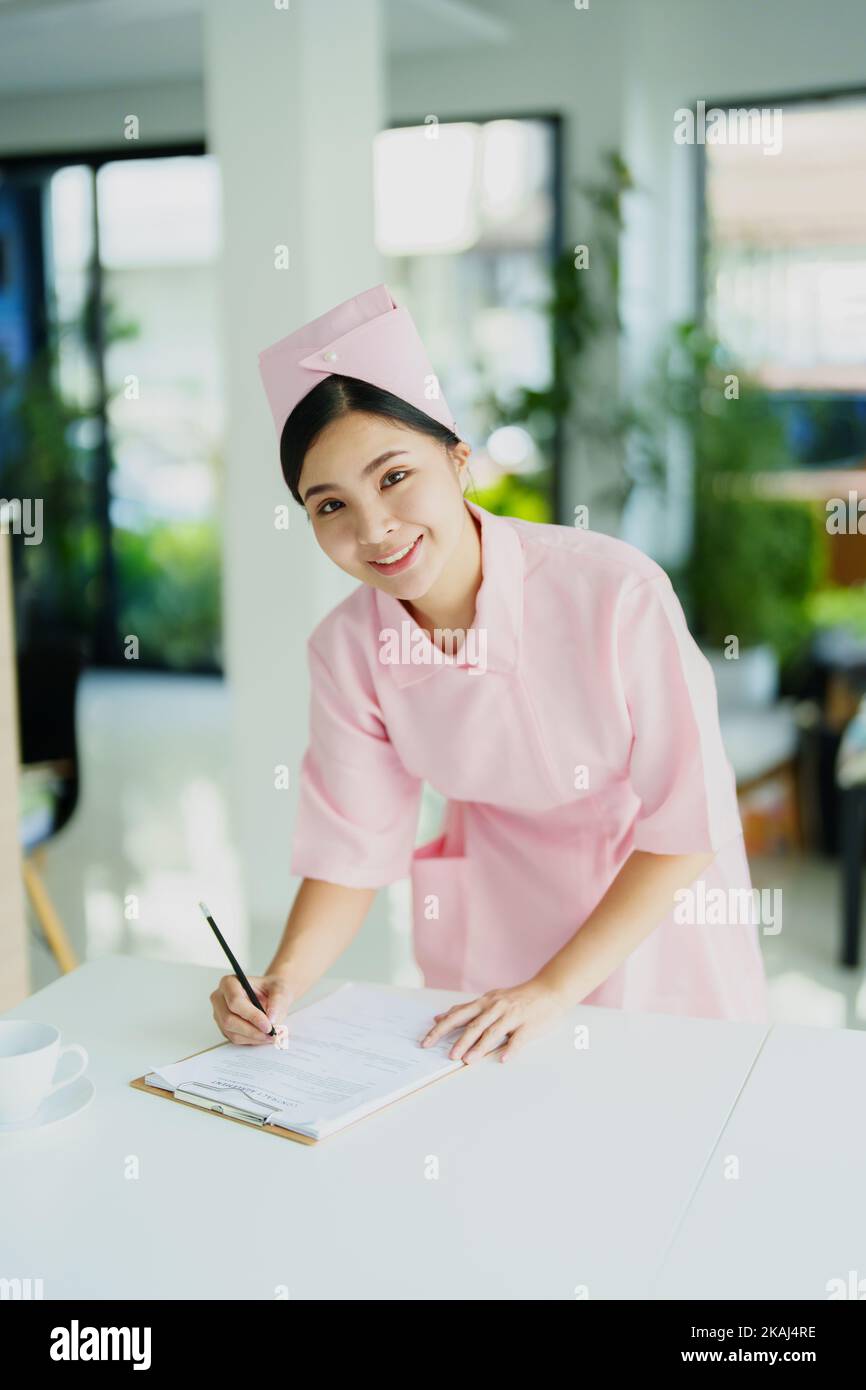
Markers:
<point>399,560</point>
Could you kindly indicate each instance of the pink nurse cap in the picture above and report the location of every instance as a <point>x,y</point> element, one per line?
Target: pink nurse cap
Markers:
<point>368,336</point>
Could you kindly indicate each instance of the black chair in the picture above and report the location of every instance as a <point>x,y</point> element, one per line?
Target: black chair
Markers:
<point>48,675</point>
<point>852,839</point>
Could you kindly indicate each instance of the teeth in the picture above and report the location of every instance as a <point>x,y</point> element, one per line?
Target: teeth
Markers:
<point>392,559</point>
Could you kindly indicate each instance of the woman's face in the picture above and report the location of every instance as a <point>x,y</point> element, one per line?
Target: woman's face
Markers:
<point>372,488</point>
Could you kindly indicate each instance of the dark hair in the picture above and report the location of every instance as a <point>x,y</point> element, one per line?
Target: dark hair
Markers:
<point>336,396</point>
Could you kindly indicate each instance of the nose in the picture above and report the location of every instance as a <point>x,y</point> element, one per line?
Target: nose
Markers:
<point>374,525</point>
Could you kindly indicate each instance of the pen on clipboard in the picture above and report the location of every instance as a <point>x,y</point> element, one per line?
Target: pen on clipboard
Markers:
<point>250,992</point>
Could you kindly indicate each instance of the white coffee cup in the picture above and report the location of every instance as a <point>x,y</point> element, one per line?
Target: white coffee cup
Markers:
<point>29,1053</point>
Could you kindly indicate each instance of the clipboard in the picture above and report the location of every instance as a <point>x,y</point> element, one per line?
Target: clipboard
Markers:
<point>226,1112</point>
<point>238,1116</point>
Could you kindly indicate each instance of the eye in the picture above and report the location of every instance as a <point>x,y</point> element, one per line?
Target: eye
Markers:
<point>398,474</point>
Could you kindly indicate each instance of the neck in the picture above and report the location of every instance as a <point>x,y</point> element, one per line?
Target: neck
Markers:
<point>450,603</point>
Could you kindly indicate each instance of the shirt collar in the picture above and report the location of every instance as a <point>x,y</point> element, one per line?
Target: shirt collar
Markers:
<point>498,609</point>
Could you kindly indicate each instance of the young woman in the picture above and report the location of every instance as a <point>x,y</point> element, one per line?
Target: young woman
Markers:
<point>592,849</point>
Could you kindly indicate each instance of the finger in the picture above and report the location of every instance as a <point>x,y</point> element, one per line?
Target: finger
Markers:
<point>237,1003</point>
<point>241,1040</point>
<point>440,1026</point>
<point>516,1042</point>
<point>278,1003</point>
<point>446,1013</point>
<point>460,1014</point>
<point>488,1042</point>
<point>235,1028</point>
<point>474,1031</point>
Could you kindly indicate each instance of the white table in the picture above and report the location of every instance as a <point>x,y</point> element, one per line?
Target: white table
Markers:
<point>562,1168</point>
<point>795,1217</point>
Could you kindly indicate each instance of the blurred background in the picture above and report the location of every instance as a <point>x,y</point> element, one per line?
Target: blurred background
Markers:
<point>663,338</point>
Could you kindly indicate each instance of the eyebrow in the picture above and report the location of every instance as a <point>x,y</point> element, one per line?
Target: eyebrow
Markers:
<point>368,468</point>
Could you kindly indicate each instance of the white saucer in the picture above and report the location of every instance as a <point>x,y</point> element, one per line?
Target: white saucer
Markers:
<point>69,1100</point>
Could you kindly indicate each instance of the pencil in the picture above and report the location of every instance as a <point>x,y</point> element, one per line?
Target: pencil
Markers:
<point>250,992</point>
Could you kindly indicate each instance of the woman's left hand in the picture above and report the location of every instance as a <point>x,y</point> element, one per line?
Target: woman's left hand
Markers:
<point>523,1012</point>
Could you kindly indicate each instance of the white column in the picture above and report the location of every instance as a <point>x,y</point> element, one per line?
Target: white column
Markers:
<point>293,101</point>
<point>14,959</point>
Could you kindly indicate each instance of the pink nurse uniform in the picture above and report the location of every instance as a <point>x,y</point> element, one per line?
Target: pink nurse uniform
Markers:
<point>587,728</point>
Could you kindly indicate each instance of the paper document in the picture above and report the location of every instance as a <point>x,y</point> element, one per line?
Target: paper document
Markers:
<point>348,1054</point>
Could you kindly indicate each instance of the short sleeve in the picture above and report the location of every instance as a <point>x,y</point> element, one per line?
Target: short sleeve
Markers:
<point>678,765</point>
<point>357,804</point>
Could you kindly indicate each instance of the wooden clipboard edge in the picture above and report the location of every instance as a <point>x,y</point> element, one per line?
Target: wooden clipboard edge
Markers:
<point>139,1084</point>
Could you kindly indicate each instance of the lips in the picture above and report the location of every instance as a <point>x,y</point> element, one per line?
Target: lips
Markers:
<point>396,566</point>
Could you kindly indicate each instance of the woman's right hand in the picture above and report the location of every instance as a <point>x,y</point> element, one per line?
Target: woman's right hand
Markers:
<point>240,1021</point>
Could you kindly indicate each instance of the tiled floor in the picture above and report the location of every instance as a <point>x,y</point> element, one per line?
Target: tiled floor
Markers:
<point>807,984</point>
<point>152,826</point>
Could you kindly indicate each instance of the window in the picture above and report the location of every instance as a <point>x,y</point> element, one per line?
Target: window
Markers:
<point>110,402</point>
<point>467,217</point>
<point>785,270</point>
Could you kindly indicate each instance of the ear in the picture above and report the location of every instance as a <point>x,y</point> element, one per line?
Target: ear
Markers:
<point>460,453</point>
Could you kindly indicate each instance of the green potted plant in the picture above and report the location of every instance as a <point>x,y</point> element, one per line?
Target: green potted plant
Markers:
<point>54,580</point>
<point>755,559</point>
<point>582,309</point>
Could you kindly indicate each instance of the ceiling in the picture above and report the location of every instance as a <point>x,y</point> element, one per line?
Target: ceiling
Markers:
<point>51,45</point>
